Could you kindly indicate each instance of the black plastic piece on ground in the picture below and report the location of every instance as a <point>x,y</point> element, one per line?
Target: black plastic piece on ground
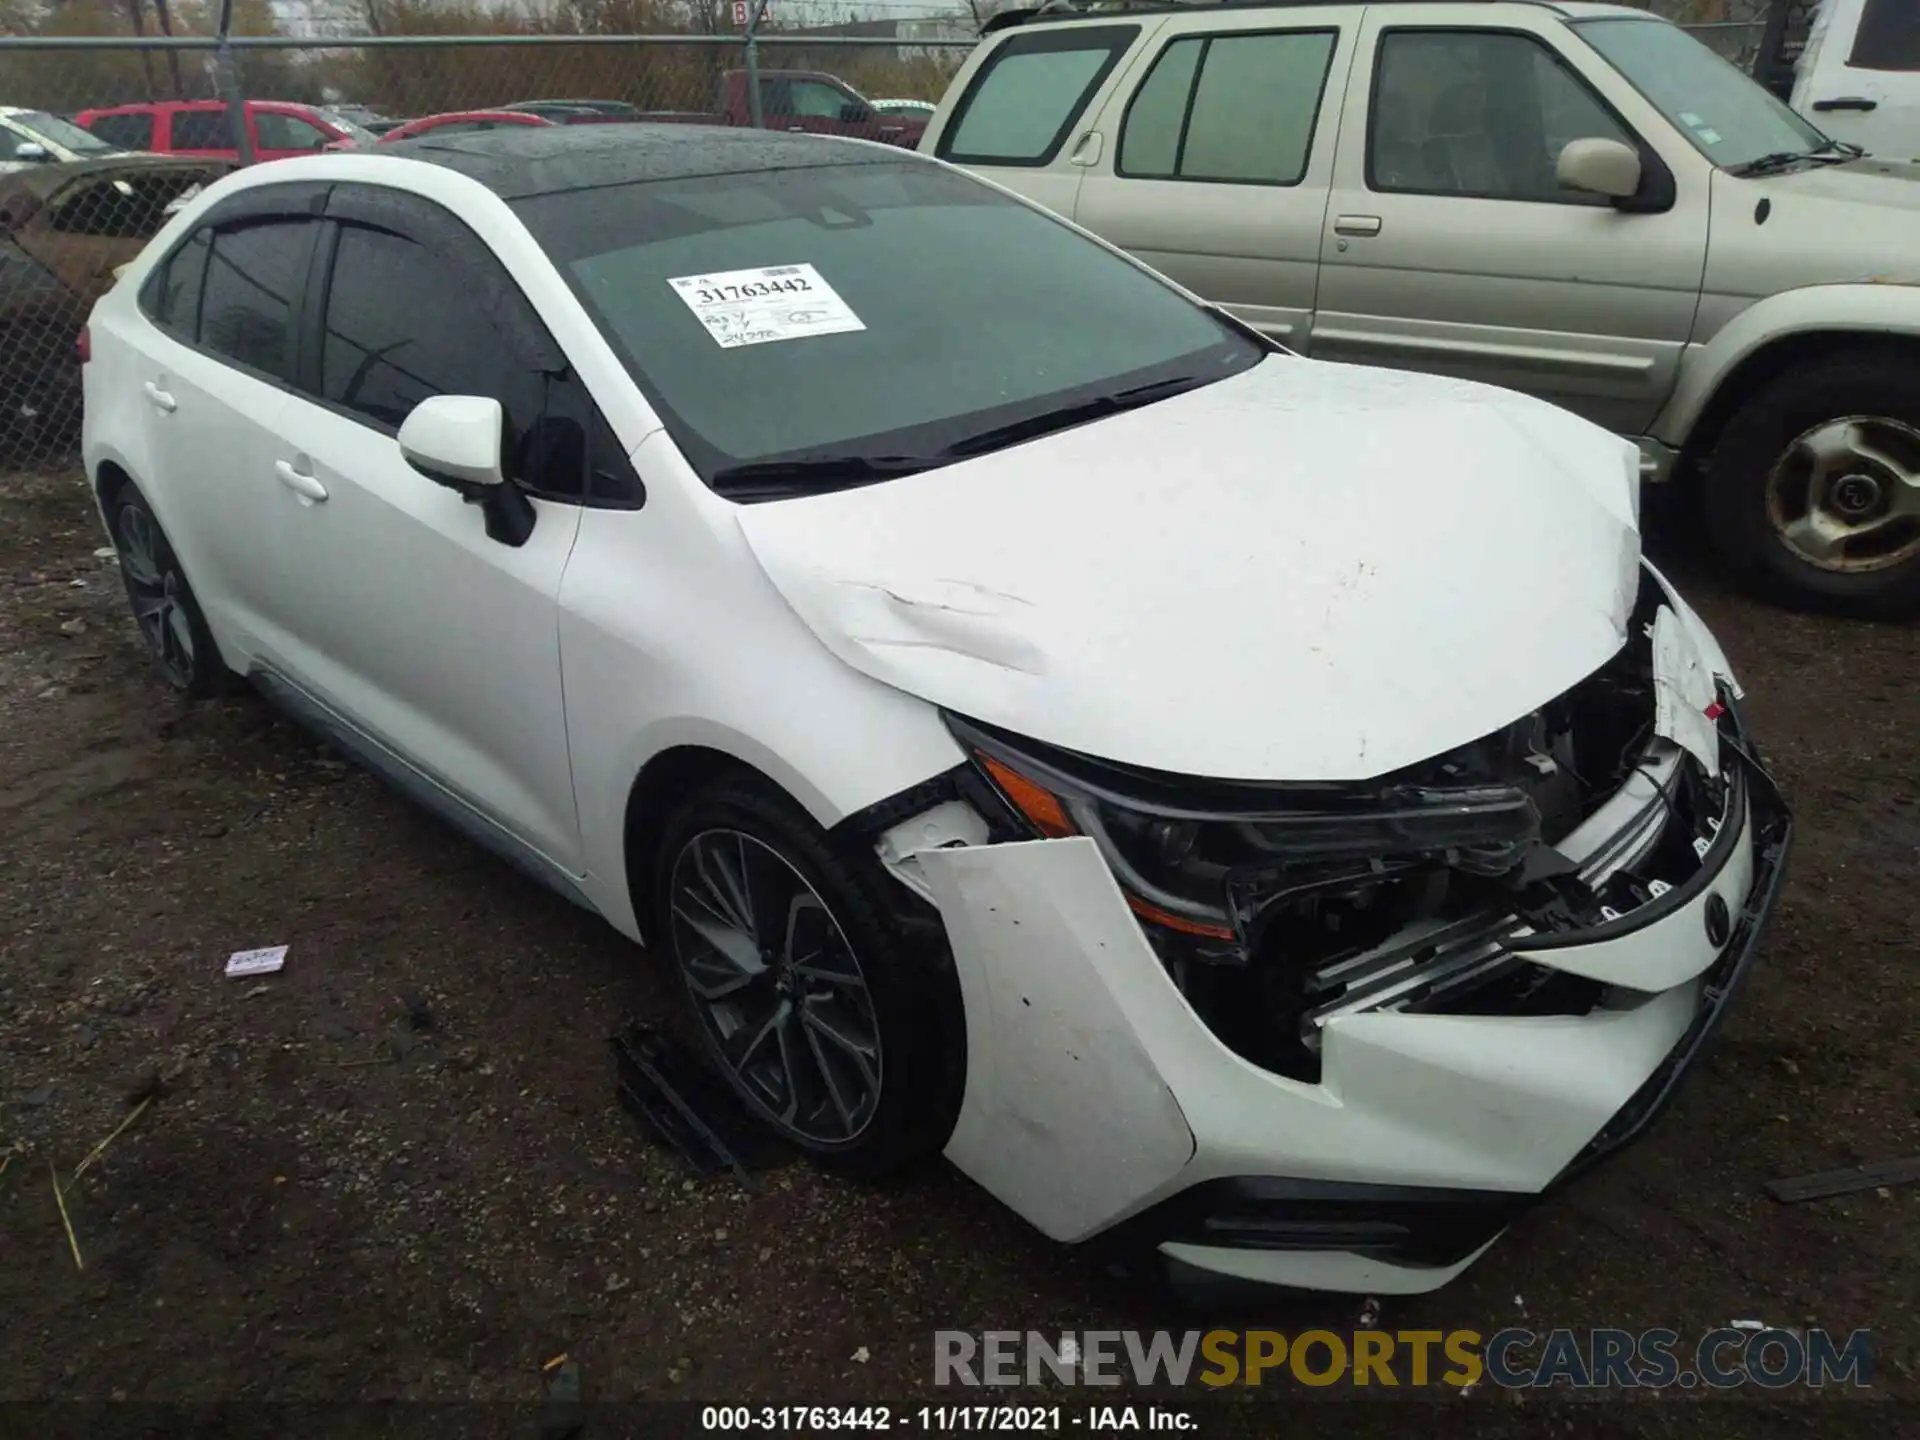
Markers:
<point>686,1105</point>
<point>1883,1173</point>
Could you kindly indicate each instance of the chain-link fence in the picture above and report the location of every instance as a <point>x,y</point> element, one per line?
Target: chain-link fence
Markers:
<point>66,225</point>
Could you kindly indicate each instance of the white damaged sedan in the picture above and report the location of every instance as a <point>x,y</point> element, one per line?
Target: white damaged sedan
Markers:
<point>1259,810</point>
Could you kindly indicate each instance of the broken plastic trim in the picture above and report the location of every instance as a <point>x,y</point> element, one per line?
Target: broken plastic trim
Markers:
<point>686,1105</point>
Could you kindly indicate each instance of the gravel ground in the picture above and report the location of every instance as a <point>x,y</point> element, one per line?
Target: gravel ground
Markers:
<point>328,1201</point>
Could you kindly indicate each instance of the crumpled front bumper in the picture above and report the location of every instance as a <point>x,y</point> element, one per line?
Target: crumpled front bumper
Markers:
<point>1098,1103</point>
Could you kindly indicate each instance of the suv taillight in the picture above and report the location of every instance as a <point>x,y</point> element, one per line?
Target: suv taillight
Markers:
<point>83,347</point>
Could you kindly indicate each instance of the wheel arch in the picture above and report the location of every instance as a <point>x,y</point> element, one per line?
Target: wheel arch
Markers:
<point>1762,366</point>
<point>1770,337</point>
<point>664,781</point>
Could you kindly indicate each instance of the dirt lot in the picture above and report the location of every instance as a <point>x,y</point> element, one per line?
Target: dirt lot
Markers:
<point>327,1203</point>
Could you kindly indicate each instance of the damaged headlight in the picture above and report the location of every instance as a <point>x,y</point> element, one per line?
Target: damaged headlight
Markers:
<point>1206,864</point>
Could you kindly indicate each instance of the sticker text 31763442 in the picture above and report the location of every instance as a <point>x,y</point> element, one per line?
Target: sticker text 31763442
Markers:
<point>776,302</point>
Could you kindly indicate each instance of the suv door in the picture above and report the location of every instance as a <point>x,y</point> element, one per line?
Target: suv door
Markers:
<point>213,369</point>
<point>200,129</point>
<point>1018,120</point>
<point>417,632</point>
<point>281,134</point>
<point>1860,78</point>
<point>1450,245</point>
<point>1221,163</point>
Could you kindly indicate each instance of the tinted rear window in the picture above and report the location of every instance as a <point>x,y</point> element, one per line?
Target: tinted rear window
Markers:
<point>132,132</point>
<point>1026,97</point>
<point>1888,38</point>
<point>253,277</point>
<point>201,130</point>
<point>172,297</point>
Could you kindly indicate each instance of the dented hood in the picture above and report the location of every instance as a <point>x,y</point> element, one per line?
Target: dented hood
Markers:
<point>1305,572</point>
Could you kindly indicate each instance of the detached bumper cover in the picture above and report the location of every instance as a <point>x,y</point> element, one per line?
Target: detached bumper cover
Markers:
<point>1098,1103</point>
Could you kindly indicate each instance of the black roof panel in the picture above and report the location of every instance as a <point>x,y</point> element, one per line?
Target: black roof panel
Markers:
<point>522,160</point>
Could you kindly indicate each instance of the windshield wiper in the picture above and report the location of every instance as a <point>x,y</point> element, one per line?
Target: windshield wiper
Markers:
<point>813,474</point>
<point>1830,152</point>
<point>1067,416</point>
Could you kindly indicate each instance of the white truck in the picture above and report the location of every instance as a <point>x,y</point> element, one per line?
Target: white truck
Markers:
<point>1850,66</point>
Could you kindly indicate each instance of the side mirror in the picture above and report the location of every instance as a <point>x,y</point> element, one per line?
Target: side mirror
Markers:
<point>1600,167</point>
<point>31,152</point>
<point>455,441</point>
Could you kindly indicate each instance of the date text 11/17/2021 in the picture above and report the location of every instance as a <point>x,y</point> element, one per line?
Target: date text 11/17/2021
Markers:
<point>941,1419</point>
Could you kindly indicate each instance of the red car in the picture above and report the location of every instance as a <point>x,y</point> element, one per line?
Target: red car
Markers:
<point>462,122</point>
<point>200,127</point>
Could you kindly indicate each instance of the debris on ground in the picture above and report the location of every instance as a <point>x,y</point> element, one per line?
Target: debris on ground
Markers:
<point>256,962</point>
<point>1881,1176</point>
<point>112,1135</point>
<point>862,1356</point>
<point>561,1414</point>
<point>1370,1314</point>
<point>1749,1325</point>
<point>66,1220</point>
<point>684,1104</point>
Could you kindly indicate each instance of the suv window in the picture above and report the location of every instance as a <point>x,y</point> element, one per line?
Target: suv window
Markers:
<point>275,131</point>
<point>1228,107</point>
<point>201,130</point>
<point>811,98</point>
<point>1888,37</point>
<point>253,277</point>
<point>401,326</point>
<point>1478,113</point>
<point>1026,97</point>
<point>172,296</point>
<point>130,132</point>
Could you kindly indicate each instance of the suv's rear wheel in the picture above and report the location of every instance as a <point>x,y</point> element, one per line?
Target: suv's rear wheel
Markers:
<point>1814,486</point>
<point>837,1028</point>
<point>164,607</point>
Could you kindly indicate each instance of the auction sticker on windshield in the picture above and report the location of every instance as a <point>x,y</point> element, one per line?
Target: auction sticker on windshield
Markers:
<point>778,302</point>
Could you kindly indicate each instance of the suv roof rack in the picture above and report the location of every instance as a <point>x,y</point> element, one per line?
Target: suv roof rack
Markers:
<point>1052,10</point>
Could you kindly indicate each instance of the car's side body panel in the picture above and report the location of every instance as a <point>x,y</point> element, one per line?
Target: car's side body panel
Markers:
<point>651,597</point>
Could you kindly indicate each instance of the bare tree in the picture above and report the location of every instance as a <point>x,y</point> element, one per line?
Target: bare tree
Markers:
<point>136,13</point>
<point>163,13</point>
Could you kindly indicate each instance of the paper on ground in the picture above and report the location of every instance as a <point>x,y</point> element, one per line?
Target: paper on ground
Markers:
<point>776,302</point>
<point>256,962</point>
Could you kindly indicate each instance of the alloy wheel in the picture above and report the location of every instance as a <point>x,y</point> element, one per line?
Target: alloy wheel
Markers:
<point>776,986</point>
<point>155,586</point>
<point>1845,495</point>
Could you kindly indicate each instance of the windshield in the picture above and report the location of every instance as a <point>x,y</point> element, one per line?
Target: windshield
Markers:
<point>882,316</point>
<point>1729,117</point>
<point>64,133</point>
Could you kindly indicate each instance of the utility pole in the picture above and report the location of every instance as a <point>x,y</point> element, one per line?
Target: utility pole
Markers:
<point>228,82</point>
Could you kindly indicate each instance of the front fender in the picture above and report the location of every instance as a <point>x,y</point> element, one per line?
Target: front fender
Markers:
<point>1871,308</point>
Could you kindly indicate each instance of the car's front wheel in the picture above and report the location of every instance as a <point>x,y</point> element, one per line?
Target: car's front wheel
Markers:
<point>837,1026</point>
<point>164,608</point>
<point>1814,486</point>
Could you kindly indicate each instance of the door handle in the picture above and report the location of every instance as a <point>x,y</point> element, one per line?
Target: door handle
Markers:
<point>1087,150</point>
<point>1847,102</point>
<point>160,399</point>
<point>1356,224</point>
<point>796,129</point>
<point>298,481</point>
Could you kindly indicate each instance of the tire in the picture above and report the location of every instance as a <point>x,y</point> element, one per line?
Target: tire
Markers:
<point>1813,488</point>
<point>168,616</point>
<point>864,977</point>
